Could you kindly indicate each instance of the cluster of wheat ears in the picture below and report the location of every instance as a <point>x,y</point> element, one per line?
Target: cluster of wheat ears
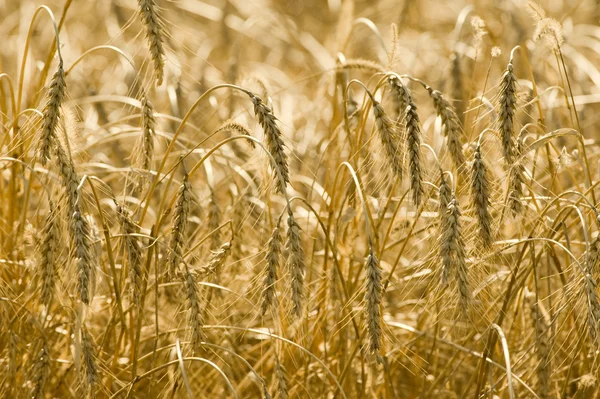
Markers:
<point>278,199</point>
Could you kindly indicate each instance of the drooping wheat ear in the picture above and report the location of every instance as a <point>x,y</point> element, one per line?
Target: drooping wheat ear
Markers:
<point>195,319</point>
<point>146,145</point>
<point>217,258</point>
<point>178,227</point>
<point>413,144</point>
<point>214,220</point>
<point>390,138</point>
<point>151,19</point>
<point>542,346</point>
<point>88,349</point>
<point>480,191</point>
<point>506,114</point>
<point>452,127</point>
<point>83,255</point>
<point>48,254</point>
<point>282,380</point>
<point>457,85</point>
<point>295,263</point>
<point>56,95</point>
<point>133,251</point>
<point>452,252</point>
<point>401,96</point>
<point>372,300</point>
<point>41,372</point>
<point>516,181</point>
<point>274,142</point>
<point>238,128</point>
<point>272,259</point>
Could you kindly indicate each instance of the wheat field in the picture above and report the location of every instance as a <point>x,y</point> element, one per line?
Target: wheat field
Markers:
<point>299,199</point>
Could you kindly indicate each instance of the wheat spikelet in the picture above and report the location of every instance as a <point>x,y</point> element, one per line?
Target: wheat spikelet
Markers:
<point>154,34</point>
<point>480,192</point>
<point>593,307</point>
<point>41,372</point>
<point>452,128</point>
<point>56,95</point>
<point>445,196</point>
<point>145,147</point>
<point>133,251</point>
<point>274,142</point>
<point>272,259</point>
<point>542,345</point>
<point>282,380</point>
<point>195,319</point>
<point>390,138</point>
<point>66,170</point>
<point>179,224</point>
<point>373,303</point>
<point>295,263</point>
<point>48,254</point>
<point>217,258</point>
<point>83,255</point>
<point>506,114</point>
<point>515,182</point>
<point>401,96</point>
<point>452,252</point>
<point>91,376</point>
<point>413,143</point>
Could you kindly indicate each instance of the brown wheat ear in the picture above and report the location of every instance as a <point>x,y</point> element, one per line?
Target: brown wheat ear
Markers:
<point>273,260</point>
<point>146,147</point>
<point>56,95</point>
<point>373,293</point>
<point>179,225</point>
<point>195,319</point>
<point>154,26</point>
<point>133,251</point>
<point>516,181</point>
<point>48,256</point>
<point>41,372</point>
<point>295,263</point>
<point>390,138</point>
<point>91,377</point>
<point>282,380</point>
<point>506,114</point>
<point>274,142</point>
<point>452,252</point>
<point>542,347</point>
<point>452,127</point>
<point>480,192</point>
<point>413,143</point>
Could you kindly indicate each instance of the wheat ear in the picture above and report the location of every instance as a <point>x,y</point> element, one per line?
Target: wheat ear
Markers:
<point>179,225</point>
<point>89,361</point>
<point>195,319</point>
<point>452,127</point>
<point>480,191</point>
<point>295,263</point>
<point>56,95</point>
<point>273,261</point>
<point>41,372</point>
<point>274,142</point>
<point>154,34</point>
<point>506,114</point>
<point>48,254</point>
<point>372,300</point>
<point>133,251</point>
<point>390,138</point>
